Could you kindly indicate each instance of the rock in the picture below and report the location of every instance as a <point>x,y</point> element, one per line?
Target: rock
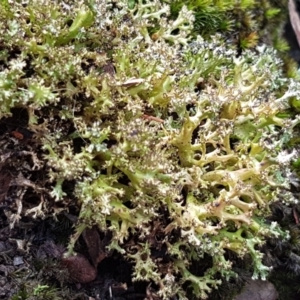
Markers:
<point>18,260</point>
<point>258,290</point>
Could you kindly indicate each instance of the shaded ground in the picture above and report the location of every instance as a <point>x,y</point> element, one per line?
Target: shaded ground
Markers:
<point>30,261</point>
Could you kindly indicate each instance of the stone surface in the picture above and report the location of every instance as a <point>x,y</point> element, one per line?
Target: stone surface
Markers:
<point>258,290</point>
<point>18,260</point>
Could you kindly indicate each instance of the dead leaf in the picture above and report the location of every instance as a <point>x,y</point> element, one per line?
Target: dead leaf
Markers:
<point>295,19</point>
<point>94,244</point>
<point>80,268</point>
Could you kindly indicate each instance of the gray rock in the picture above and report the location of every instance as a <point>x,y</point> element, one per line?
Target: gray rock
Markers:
<point>258,290</point>
<point>18,260</point>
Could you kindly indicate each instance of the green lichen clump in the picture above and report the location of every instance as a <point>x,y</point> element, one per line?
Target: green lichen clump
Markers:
<point>182,147</point>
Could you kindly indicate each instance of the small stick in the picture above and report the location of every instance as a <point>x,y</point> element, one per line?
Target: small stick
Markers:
<point>151,118</point>
<point>295,216</point>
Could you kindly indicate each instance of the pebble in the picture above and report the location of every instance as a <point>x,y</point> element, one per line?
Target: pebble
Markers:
<point>18,260</point>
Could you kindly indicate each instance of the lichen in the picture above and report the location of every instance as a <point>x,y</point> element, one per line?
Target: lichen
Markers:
<point>175,132</point>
